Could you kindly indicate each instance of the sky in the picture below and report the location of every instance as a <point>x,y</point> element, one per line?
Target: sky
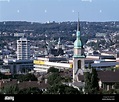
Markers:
<point>59,10</point>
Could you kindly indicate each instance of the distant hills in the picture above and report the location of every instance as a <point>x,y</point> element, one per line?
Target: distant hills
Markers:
<point>58,29</point>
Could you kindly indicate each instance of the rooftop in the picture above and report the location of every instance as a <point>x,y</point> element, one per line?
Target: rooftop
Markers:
<point>105,76</point>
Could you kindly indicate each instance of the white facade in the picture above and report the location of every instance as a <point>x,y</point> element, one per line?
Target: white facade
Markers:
<point>23,49</point>
<point>46,65</point>
<point>78,67</point>
<point>39,68</point>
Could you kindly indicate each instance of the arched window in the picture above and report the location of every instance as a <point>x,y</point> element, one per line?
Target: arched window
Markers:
<point>79,64</point>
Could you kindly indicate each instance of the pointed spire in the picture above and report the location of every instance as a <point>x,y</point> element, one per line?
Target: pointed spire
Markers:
<point>59,41</point>
<point>78,24</point>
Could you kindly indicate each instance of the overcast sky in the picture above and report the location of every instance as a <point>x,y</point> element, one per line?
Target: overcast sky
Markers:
<point>59,10</point>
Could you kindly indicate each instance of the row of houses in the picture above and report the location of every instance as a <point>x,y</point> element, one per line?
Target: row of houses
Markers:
<point>107,78</point>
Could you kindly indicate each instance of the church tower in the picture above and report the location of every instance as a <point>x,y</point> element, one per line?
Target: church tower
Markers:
<point>59,45</point>
<point>78,57</point>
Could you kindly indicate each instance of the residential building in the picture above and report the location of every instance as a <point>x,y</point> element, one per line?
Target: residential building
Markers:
<point>23,49</point>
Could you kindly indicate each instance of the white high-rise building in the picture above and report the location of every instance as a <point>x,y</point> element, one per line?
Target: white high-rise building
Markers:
<point>23,49</point>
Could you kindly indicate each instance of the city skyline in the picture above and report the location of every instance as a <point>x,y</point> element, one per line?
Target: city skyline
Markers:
<point>59,10</point>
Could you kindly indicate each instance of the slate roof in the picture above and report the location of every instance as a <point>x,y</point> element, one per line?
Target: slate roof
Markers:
<point>105,76</point>
<point>109,76</point>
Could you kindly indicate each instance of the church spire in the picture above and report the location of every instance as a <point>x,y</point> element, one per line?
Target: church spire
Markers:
<point>78,24</point>
<point>59,42</point>
<point>78,46</point>
<point>78,43</point>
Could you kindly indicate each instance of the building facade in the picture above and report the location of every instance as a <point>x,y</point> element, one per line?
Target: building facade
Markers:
<point>23,49</point>
<point>42,65</point>
<point>17,66</point>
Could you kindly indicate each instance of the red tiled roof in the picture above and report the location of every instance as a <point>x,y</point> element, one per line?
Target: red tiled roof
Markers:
<point>25,84</point>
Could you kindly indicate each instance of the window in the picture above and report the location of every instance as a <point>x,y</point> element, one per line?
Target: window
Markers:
<point>79,63</point>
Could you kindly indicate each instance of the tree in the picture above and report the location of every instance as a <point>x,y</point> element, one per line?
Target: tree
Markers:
<point>94,80</point>
<point>12,89</point>
<point>66,79</point>
<point>52,69</point>
<point>61,89</point>
<point>87,79</point>
<point>54,78</point>
<point>31,77</point>
<point>91,81</point>
<point>30,90</point>
<point>1,75</point>
<point>111,91</point>
<point>27,77</point>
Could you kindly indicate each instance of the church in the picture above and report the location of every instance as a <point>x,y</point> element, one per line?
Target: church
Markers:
<point>78,57</point>
<point>78,60</point>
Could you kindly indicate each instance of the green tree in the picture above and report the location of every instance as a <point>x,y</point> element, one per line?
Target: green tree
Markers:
<point>61,89</point>
<point>87,79</point>
<point>12,89</point>
<point>52,69</point>
<point>54,78</point>
<point>111,91</point>
<point>94,80</point>
<point>30,90</point>
<point>31,77</point>
<point>91,81</point>
<point>27,77</point>
<point>1,75</point>
<point>116,85</point>
<point>66,79</point>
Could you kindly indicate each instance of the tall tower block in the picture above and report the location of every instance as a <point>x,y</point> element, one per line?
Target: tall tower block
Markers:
<point>23,49</point>
<point>78,57</point>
